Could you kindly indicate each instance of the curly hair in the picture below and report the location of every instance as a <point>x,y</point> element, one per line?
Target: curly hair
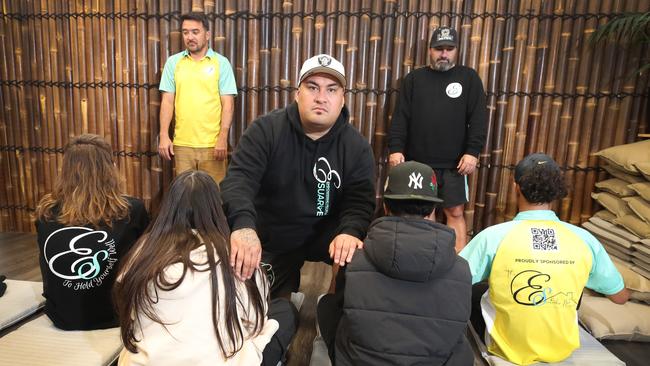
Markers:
<point>543,184</point>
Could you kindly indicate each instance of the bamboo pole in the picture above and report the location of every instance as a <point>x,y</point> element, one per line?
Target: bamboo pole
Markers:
<point>330,27</point>
<point>557,132</point>
<point>595,111</point>
<point>308,26</point>
<point>473,31</point>
<point>501,129</point>
<point>384,82</point>
<point>484,66</point>
<point>493,105</point>
<point>295,46</point>
<point>241,71</point>
<point>374,60</point>
<point>637,121</point>
<point>276,54</point>
<point>464,32</point>
<point>361,81</point>
<point>526,60</point>
<point>549,83</point>
<point>341,36</point>
<point>265,58</point>
<point>422,38</point>
<point>253,63</point>
<point>351,59</point>
<point>21,134</point>
<point>142,131</point>
<point>584,111</point>
<point>628,81</point>
<point>285,63</point>
<point>319,28</point>
<point>12,199</point>
<point>576,78</point>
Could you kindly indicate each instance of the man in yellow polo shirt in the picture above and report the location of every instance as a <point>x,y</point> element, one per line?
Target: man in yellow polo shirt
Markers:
<point>198,84</point>
<point>537,267</point>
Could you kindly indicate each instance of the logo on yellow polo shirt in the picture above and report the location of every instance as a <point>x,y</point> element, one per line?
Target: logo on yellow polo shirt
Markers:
<point>209,70</point>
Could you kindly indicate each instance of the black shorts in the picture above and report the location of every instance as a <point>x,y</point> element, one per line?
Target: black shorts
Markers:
<point>452,187</point>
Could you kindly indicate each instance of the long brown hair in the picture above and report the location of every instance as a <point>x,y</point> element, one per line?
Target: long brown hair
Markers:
<point>190,216</point>
<point>88,189</point>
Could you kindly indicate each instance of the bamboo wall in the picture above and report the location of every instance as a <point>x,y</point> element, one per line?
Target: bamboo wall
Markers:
<point>70,67</point>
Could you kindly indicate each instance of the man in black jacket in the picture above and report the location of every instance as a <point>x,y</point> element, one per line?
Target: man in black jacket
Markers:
<point>300,184</point>
<point>407,294</point>
<point>440,120</point>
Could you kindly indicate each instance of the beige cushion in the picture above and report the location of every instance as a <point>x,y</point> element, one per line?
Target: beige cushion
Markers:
<point>645,241</point>
<point>616,230</point>
<point>644,168</point>
<point>590,353</point>
<point>635,225</point>
<point>606,320</point>
<point>620,174</point>
<point>625,156</point>
<point>615,186</point>
<point>612,203</point>
<point>640,207</point>
<point>643,189</point>
<point>39,342</point>
<point>21,299</point>
<point>605,215</point>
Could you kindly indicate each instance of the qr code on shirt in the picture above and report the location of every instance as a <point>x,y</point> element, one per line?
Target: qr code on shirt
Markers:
<point>544,239</point>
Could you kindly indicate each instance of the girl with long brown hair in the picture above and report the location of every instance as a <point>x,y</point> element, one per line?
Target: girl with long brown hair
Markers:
<point>85,226</point>
<point>179,303</point>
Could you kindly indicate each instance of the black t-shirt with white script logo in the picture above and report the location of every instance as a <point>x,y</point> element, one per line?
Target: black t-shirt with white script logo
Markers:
<point>79,264</point>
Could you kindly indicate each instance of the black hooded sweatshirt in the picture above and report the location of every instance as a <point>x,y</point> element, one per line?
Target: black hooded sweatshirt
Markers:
<point>407,298</point>
<point>294,190</point>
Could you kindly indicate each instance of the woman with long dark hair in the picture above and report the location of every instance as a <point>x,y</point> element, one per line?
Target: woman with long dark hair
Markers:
<point>85,226</point>
<point>179,303</point>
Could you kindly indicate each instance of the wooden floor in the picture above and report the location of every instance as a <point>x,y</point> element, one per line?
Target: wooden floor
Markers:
<point>19,261</point>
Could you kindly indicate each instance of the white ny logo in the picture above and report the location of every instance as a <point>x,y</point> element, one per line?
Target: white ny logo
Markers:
<point>416,180</point>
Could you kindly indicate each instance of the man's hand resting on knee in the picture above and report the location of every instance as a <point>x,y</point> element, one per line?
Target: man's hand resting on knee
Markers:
<point>342,248</point>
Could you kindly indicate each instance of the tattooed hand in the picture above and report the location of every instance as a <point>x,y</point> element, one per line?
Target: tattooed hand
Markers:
<point>245,252</point>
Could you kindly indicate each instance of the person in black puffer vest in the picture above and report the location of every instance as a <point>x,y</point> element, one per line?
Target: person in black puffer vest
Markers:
<point>407,294</point>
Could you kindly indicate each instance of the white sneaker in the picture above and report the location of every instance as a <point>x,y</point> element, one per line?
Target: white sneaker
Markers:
<point>297,298</point>
<point>319,355</point>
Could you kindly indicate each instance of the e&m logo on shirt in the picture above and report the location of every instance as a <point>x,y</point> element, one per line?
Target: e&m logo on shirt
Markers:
<point>80,256</point>
<point>209,70</point>
<point>454,90</point>
<point>325,176</point>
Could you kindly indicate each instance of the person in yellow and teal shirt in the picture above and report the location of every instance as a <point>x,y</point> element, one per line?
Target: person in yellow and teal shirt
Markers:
<point>198,87</point>
<point>537,267</point>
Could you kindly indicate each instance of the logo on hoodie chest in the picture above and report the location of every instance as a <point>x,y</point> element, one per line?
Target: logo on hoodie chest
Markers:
<point>326,177</point>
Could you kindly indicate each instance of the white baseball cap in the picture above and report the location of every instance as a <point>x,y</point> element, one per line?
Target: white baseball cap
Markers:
<point>325,64</point>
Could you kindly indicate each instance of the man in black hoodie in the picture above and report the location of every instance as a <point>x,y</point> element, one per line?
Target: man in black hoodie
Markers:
<point>301,183</point>
<point>407,295</point>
